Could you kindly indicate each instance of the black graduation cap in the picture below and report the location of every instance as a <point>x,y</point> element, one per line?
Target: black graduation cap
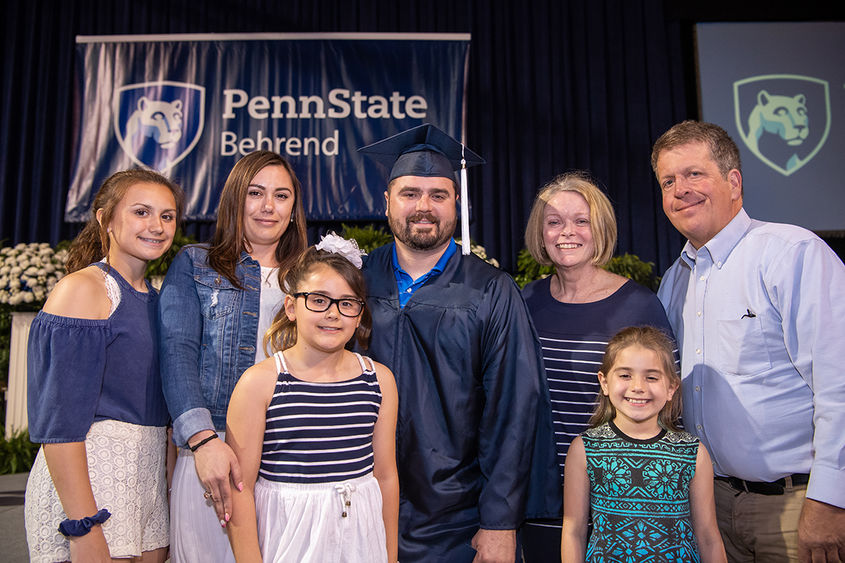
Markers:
<point>427,151</point>
<point>423,150</point>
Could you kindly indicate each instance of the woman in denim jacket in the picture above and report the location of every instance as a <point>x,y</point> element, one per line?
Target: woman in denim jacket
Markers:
<point>216,303</point>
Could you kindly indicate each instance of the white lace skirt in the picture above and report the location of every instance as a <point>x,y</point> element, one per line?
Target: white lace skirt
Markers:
<point>127,473</point>
<point>314,523</point>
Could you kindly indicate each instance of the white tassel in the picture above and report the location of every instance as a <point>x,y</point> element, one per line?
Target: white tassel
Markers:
<point>465,241</point>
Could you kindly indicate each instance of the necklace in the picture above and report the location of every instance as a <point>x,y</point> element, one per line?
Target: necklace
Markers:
<point>267,277</point>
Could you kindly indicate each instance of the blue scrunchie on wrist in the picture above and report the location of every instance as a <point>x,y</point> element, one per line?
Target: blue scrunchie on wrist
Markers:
<point>83,526</point>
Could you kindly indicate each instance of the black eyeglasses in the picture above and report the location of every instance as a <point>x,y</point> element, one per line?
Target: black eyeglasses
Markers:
<point>320,303</point>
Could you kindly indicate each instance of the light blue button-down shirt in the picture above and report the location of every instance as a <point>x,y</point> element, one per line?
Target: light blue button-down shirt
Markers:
<point>759,314</point>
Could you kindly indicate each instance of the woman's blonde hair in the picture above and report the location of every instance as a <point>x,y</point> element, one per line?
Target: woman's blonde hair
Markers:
<point>282,333</point>
<point>653,339</point>
<point>602,217</point>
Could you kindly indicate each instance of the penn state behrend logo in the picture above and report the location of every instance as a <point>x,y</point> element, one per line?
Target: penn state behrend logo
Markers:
<point>784,119</point>
<point>158,123</point>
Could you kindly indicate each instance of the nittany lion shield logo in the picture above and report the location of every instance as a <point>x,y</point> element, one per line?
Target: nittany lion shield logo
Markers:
<point>158,123</point>
<point>784,119</point>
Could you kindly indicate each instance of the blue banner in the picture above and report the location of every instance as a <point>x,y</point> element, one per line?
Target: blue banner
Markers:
<point>191,106</point>
<point>777,89</point>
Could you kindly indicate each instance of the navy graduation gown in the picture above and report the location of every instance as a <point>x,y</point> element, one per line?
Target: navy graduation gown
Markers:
<point>471,390</point>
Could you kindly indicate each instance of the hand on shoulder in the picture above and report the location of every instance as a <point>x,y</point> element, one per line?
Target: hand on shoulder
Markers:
<point>81,295</point>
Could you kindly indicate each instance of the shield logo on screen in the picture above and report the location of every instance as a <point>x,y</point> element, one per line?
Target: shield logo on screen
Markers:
<point>158,123</point>
<point>784,119</point>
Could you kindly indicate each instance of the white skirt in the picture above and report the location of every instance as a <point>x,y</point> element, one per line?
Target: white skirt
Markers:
<point>195,531</point>
<point>127,473</point>
<point>338,522</point>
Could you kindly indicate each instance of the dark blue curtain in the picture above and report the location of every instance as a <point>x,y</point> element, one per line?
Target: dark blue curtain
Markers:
<point>554,85</point>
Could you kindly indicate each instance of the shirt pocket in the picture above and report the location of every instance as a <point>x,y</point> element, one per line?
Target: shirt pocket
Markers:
<point>742,347</point>
<point>217,296</point>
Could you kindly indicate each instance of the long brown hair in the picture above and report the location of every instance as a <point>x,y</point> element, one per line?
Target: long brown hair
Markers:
<point>229,242</point>
<point>652,339</point>
<point>282,333</point>
<point>92,243</point>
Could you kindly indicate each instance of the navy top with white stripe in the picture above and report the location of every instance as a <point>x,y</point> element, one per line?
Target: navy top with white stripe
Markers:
<point>573,337</point>
<point>320,432</point>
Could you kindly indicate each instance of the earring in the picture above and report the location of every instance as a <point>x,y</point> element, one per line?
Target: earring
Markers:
<point>291,218</point>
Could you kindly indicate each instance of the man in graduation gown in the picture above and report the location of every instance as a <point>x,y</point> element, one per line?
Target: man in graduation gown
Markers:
<point>457,335</point>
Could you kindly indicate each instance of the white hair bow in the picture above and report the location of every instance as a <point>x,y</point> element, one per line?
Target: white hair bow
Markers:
<point>348,248</point>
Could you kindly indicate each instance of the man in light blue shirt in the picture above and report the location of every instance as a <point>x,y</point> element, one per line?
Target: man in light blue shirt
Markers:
<point>759,312</point>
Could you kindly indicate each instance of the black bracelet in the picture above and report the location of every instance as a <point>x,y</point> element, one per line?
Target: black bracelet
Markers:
<point>202,442</point>
<point>82,526</point>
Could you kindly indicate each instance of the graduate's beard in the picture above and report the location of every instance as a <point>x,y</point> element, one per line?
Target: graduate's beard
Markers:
<point>434,236</point>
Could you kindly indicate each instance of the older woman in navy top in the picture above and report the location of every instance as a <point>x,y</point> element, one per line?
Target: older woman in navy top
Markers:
<point>98,488</point>
<point>576,311</point>
<point>216,303</point>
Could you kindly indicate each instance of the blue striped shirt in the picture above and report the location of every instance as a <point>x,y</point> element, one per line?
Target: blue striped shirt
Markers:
<point>320,432</point>
<point>573,337</point>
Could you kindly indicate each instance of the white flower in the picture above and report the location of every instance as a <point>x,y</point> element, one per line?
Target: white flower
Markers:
<point>28,272</point>
<point>347,248</point>
<point>481,252</point>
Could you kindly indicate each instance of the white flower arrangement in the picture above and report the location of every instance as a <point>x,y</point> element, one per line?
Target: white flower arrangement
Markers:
<point>28,272</point>
<point>481,252</point>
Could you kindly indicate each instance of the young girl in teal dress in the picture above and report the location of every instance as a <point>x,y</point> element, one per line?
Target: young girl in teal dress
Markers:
<point>647,485</point>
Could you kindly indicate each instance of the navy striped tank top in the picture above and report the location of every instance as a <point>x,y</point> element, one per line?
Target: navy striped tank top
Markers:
<point>320,432</point>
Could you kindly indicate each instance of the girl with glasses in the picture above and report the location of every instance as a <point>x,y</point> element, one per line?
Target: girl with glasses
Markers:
<point>319,471</point>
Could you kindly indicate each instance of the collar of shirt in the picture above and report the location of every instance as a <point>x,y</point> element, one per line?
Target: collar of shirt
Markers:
<point>721,245</point>
<point>407,285</point>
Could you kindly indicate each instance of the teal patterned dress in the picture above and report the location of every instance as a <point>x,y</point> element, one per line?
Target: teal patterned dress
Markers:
<point>639,496</point>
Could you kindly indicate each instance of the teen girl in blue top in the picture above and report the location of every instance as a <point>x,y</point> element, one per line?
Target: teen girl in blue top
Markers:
<point>646,486</point>
<point>97,490</point>
<point>216,303</point>
<point>320,467</point>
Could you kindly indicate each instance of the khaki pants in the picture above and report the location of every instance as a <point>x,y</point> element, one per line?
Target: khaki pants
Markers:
<point>759,528</point>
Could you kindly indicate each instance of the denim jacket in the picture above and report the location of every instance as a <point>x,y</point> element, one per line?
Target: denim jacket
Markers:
<point>207,336</point>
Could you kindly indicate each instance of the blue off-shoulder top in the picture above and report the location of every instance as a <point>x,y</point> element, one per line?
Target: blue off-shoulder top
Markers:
<point>83,370</point>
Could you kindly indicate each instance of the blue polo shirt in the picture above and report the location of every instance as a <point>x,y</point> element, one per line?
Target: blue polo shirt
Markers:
<point>407,285</point>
